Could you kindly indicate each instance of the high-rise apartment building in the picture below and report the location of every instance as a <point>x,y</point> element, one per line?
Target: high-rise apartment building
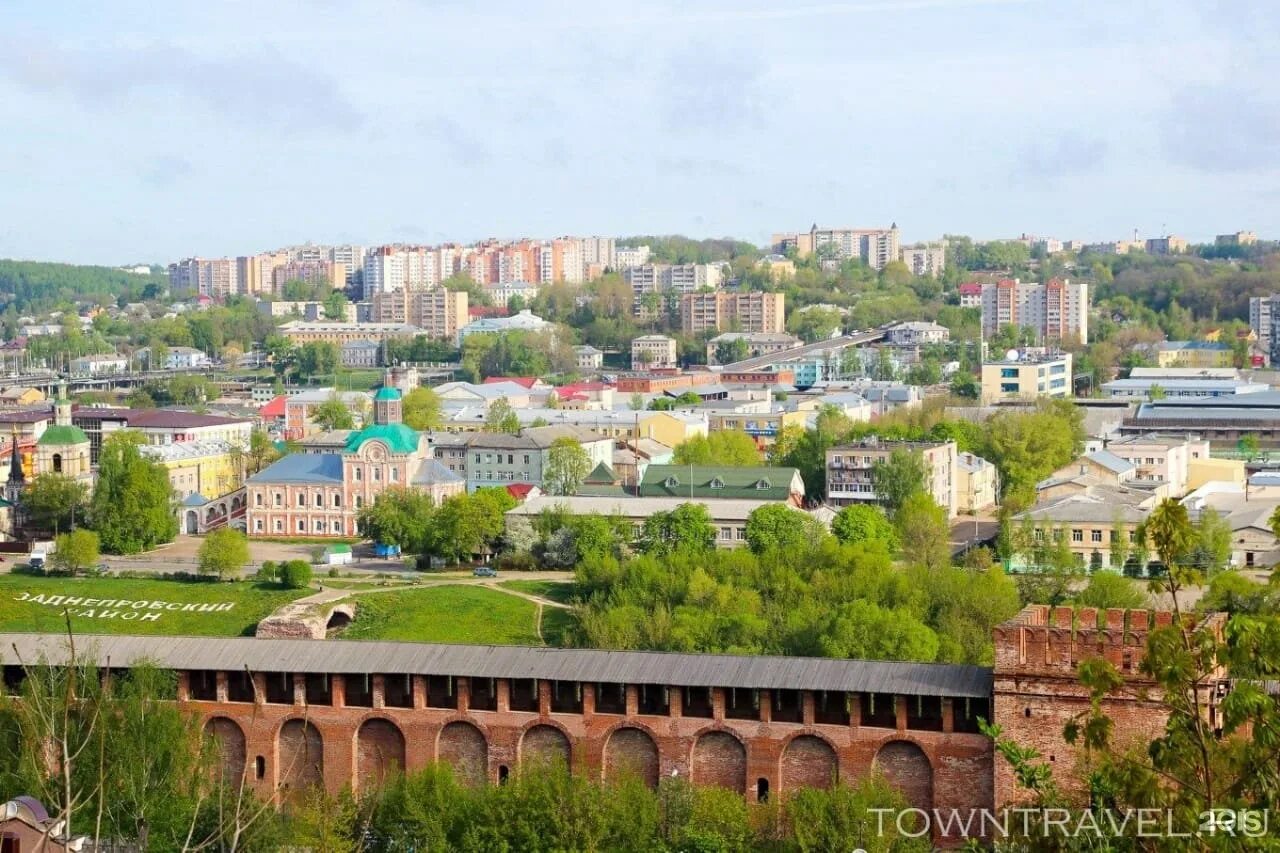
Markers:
<point>1239,238</point>
<point>1166,245</point>
<point>925,260</point>
<point>1055,311</point>
<point>312,272</point>
<point>877,246</point>
<point>630,256</point>
<point>599,251</point>
<point>216,278</point>
<point>720,310</point>
<point>668,278</point>
<point>391,268</point>
<point>438,312</point>
<point>1261,311</point>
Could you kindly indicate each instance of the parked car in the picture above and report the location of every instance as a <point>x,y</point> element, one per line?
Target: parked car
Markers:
<point>485,572</point>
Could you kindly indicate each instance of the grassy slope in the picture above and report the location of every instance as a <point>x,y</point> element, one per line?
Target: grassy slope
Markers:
<point>560,591</point>
<point>445,614</point>
<point>251,603</point>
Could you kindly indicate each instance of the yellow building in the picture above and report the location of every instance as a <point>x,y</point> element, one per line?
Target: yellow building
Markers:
<point>19,396</point>
<point>1193,354</point>
<point>207,468</point>
<point>1026,378</point>
<point>976,485</point>
<point>764,427</point>
<point>1201,471</point>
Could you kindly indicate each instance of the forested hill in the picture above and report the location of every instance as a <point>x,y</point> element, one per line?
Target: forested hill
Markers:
<point>36,286</point>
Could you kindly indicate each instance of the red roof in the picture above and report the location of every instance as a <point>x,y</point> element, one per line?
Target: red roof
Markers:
<point>274,409</point>
<point>970,288</point>
<point>520,491</point>
<point>526,381</point>
<point>580,388</point>
<point>487,311</point>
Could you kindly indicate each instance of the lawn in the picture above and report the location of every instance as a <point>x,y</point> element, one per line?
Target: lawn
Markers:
<point>559,591</point>
<point>99,610</point>
<point>445,614</point>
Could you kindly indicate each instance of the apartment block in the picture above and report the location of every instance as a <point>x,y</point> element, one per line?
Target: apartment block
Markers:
<point>1026,378</point>
<point>1055,311</point>
<point>925,260</point>
<point>1261,311</point>
<point>438,312</point>
<point>876,246</point>
<point>312,272</point>
<point>1240,238</point>
<point>216,278</point>
<point>391,268</point>
<point>1167,245</point>
<point>721,310</point>
<point>669,278</point>
<point>300,333</point>
<point>849,469</point>
<point>650,352</point>
<point>625,257</point>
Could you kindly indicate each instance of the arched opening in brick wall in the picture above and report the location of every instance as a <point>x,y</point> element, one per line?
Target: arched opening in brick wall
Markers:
<point>379,752</point>
<point>544,746</point>
<point>907,768</point>
<point>631,752</point>
<point>720,759</point>
<point>463,747</point>
<point>300,750</point>
<point>808,762</point>
<point>228,737</point>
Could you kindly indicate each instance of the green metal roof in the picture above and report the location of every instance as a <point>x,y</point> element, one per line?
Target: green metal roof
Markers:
<point>602,474</point>
<point>338,549</point>
<point>63,435</point>
<point>398,437</point>
<point>386,392</point>
<point>717,481</point>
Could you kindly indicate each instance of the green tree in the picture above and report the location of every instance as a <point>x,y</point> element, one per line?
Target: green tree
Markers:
<point>399,516</point>
<point>1170,532</point>
<point>76,551</point>
<point>783,529</point>
<point>261,453</point>
<point>864,523</point>
<point>333,414</point>
<point>502,418</point>
<point>1247,445</point>
<point>923,532</point>
<point>732,448</point>
<point>686,528</point>
<point>471,524</point>
<point>568,464</point>
<point>318,358</point>
<point>862,629</point>
<point>732,351</point>
<point>897,478</point>
<point>133,505</point>
<point>54,501</point>
<point>224,552</point>
<point>295,574</point>
<point>335,306</point>
<point>1211,547</point>
<point>422,410</point>
<point>1108,589</point>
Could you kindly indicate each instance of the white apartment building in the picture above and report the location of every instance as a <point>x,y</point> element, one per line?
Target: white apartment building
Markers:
<point>216,278</point>
<point>1056,311</point>
<point>600,251</point>
<point>877,246</point>
<point>925,260</point>
<point>391,268</point>
<point>653,351</point>
<point>1261,312</point>
<point>625,257</point>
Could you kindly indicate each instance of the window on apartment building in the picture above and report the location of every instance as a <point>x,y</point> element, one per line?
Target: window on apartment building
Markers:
<point>1096,536</point>
<point>1077,535</point>
<point>726,532</point>
<point>526,459</point>
<point>1151,460</point>
<point>1008,387</point>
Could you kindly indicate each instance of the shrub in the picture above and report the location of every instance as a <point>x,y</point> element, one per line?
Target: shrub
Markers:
<point>295,574</point>
<point>516,561</point>
<point>268,572</point>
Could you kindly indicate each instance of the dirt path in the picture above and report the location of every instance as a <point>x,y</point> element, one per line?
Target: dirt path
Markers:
<point>335,594</point>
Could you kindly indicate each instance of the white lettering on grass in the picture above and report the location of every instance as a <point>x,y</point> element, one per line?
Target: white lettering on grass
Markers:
<point>101,608</point>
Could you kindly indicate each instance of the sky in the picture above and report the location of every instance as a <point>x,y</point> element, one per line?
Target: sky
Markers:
<point>136,131</point>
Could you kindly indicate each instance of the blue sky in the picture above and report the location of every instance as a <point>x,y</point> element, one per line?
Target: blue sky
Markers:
<point>144,131</point>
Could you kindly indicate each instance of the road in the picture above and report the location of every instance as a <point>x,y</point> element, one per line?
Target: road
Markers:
<point>759,361</point>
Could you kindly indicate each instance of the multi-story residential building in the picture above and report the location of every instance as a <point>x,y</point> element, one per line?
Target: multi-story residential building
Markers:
<point>1116,247</point>
<point>668,278</point>
<point>216,278</point>
<point>98,365</point>
<point>757,343</point>
<point>361,354</point>
<point>925,260</point>
<point>780,268</point>
<point>1240,238</point>
<point>649,352</point>
<point>160,426</point>
<point>256,272</point>
<point>210,469</point>
<point>849,470</point>
<point>977,484</point>
<point>320,494</point>
<point>312,272</point>
<point>1261,311</point>
<point>1026,378</point>
<point>1055,311</point>
<point>877,246</point>
<point>439,313</point>
<point>522,321</point>
<point>599,251</point>
<point>351,259</point>
<point>300,333</point>
<point>391,268</point>
<point>185,358</point>
<point>497,459</point>
<point>503,292</point>
<point>970,294</point>
<point>1167,245</point>
<point>625,257</point>
<point>1097,519</point>
<point>719,310</point>
<point>1161,459</point>
<point>588,357</point>
<point>1193,354</point>
<point>763,423</point>
<point>308,310</point>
